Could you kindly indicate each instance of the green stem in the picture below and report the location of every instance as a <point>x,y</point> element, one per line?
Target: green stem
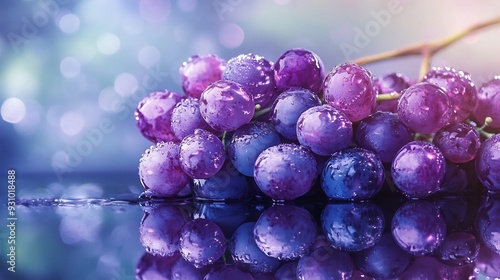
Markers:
<point>261,112</point>
<point>388,96</point>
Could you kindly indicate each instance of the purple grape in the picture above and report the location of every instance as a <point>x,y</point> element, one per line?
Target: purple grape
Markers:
<point>226,105</point>
<point>228,216</point>
<point>389,83</point>
<point>459,88</point>
<point>383,133</point>
<point>154,113</point>
<point>488,163</point>
<point>384,260</point>
<point>155,267</point>
<point>458,248</point>
<point>324,130</point>
<point>184,270</point>
<point>424,108</point>
<point>287,271</point>
<point>287,108</point>
<point>160,229</point>
<point>200,71</point>
<point>350,89</point>
<point>426,267</point>
<point>201,154</point>
<point>488,223</point>
<point>256,74</point>
<point>202,242</point>
<point>285,171</point>
<point>418,227</point>
<point>455,179</point>
<point>418,169</point>
<point>248,142</point>
<point>160,170</point>
<point>352,226</point>
<point>226,184</point>
<point>186,118</point>
<point>458,142</point>
<point>246,254</point>
<point>227,272</point>
<point>325,263</point>
<point>487,264</point>
<point>299,68</point>
<point>285,232</point>
<point>353,173</point>
<point>488,102</point>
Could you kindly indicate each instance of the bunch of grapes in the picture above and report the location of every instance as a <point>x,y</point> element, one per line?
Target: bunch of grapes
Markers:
<point>250,127</point>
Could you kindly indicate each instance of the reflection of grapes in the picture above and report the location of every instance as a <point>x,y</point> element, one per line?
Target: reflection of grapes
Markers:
<point>488,163</point>
<point>325,263</point>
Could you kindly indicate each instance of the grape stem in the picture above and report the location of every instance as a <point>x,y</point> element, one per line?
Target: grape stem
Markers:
<point>261,112</point>
<point>427,49</point>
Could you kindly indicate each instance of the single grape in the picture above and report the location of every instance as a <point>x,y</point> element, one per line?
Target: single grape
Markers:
<point>418,169</point>
<point>155,266</point>
<point>285,171</point>
<point>285,232</point>
<point>227,271</point>
<point>202,242</point>
<point>200,71</point>
<point>226,184</point>
<point>226,105</point>
<point>383,133</point>
<point>353,173</point>
<point>488,102</point>
<point>418,227</point>
<point>459,88</point>
<point>455,179</point>
<point>287,108</point>
<point>390,83</point>
<point>256,74</point>
<point>160,229</point>
<point>352,226</point>
<point>154,113</point>
<point>488,223</point>
<point>458,248</point>
<point>324,130</point>
<point>384,260</point>
<point>246,254</point>
<point>299,68</point>
<point>487,263</point>
<point>186,118</point>
<point>325,263</point>
<point>458,142</point>
<point>248,142</point>
<point>350,89</point>
<point>487,163</point>
<point>160,170</point>
<point>201,154</point>
<point>287,271</point>
<point>424,108</point>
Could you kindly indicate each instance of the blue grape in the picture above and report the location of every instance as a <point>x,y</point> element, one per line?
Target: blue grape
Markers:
<point>352,226</point>
<point>418,227</point>
<point>246,254</point>
<point>201,154</point>
<point>299,68</point>
<point>202,242</point>
<point>350,89</point>
<point>287,271</point>
<point>228,215</point>
<point>227,272</point>
<point>487,163</point>
<point>160,170</point>
<point>256,74</point>
<point>488,223</point>
<point>325,263</point>
<point>384,260</point>
<point>226,105</point>
<point>324,130</point>
<point>287,108</point>
<point>418,169</point>
<point>353,173</point>
<point>285,232</point>
<point>285,171</point>
<point>424,108</point>
<point>248,142</point>
<point>458,248</point>
<point>226,184</point>
<point>383,133</point>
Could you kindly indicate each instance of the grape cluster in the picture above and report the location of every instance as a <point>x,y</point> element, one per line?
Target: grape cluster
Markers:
<point>284,130</point>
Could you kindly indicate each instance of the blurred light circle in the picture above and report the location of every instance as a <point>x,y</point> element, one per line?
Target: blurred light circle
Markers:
<point>187,6</point>
<point>125,84</point>
<point>154,11</point>
<point>109,100</point>
<point>108,43</point>
<point>69,23</point>
<point>72,123</point>
<point>13,110</point>
<point>31,121</point>
<point>132,25</point>
<point>231,35</point>
<point>69,67</point>
<point>148,56</point>
<point>20,82</point>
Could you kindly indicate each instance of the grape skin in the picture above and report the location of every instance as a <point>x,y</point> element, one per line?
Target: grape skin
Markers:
<point>201,154</point>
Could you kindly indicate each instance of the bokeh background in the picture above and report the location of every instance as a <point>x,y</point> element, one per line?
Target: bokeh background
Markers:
<point>72,72</point>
